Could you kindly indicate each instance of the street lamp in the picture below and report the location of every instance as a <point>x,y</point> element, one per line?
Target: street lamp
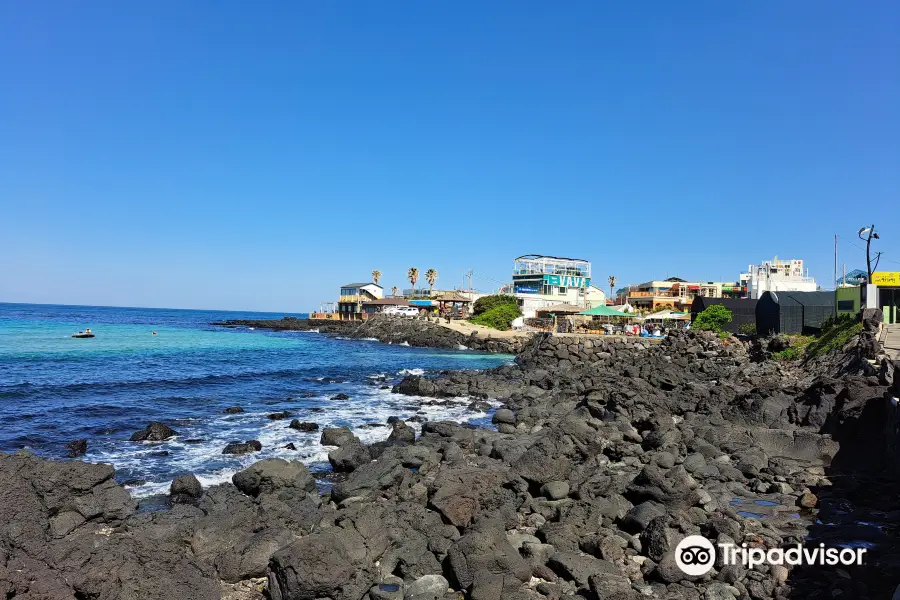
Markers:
<point>867,234</point>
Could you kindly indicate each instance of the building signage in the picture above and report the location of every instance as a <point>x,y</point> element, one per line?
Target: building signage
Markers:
<point>886,279</point>
<point>567,281</point>
<point>528,288</point>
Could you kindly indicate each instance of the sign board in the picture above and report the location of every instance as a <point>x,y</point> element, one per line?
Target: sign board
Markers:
<point>567,281</point>
<point>886,278</point>
<point>527,288</point>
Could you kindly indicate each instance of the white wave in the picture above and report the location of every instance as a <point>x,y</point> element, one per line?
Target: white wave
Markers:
<point>366,413</point>
<point>369,339</point>
<point>403,344</point>
<point>411,372</point>
<point>461,347</point>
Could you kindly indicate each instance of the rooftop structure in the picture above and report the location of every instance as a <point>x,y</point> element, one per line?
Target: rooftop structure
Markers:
<point>541,282</point>
<point>537,264</point>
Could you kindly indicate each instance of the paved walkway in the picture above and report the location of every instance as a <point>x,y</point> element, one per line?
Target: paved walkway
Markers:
<point>891,341</point>
<point>466,328</point>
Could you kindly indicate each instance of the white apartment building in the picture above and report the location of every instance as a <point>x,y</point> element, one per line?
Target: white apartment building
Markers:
<point>777,276</point>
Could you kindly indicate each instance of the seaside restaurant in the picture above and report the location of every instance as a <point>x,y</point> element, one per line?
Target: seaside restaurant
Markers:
<point>888,286</point>
<point>354,295</point>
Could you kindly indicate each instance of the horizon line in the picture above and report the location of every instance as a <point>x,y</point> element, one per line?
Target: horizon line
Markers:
<point>2,302</point>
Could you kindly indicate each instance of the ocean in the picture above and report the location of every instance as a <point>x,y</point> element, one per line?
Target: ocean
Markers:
<point>55,388</point>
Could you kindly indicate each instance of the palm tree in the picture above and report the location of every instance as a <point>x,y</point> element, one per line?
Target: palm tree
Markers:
<point>394,291</point>
<point>431,276</point>
<point>413,275</point>
<point>376,275</point>
<point>612,283</point>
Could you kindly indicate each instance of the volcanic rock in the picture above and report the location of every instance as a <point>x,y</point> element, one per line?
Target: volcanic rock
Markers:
<point>154,432</point>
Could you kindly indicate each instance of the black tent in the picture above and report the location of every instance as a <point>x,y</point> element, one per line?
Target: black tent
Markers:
<point>744,310</point>
<point>793,312</point>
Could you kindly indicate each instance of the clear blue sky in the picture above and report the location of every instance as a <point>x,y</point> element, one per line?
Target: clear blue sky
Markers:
<point>256,156</point>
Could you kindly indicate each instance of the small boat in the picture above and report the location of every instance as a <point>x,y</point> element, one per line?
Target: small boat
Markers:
<point>87,333</point>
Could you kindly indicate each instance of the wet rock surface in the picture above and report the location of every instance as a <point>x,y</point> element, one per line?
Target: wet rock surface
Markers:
<point>607,454</point>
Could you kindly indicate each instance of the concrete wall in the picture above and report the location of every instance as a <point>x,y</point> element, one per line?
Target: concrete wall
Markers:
<point>563,351</point>
<point>848,294</point>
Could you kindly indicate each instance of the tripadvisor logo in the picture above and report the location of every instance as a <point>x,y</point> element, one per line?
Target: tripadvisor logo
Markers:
<point>695,555</point>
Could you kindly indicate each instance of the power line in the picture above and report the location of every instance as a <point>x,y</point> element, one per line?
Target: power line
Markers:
<point>855,245</point>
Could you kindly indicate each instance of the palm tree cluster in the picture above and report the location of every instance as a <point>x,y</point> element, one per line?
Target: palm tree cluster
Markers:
<point>431,276</point>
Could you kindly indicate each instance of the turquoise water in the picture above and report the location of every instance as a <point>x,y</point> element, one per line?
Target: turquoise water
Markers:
<point>54,388</point>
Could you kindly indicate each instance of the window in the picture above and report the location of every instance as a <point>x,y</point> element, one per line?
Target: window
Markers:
<point>563,291</point>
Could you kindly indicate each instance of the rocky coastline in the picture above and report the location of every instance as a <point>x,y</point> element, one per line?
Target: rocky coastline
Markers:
<point>393,330</point>
<point>606,454</point>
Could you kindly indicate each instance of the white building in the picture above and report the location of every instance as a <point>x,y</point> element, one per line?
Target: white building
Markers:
<point>777,276</point>
<point>543,281</point>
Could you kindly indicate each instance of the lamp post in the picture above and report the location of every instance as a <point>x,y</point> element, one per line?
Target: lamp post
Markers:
<point>870,234</point>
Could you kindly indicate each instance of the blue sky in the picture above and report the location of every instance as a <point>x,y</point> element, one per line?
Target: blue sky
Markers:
<point>231,155</point>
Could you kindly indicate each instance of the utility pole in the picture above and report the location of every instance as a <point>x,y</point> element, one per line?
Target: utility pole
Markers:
<point>835,261</point>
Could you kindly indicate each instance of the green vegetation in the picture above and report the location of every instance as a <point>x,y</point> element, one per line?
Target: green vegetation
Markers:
<point>486,303</point>
<point>499,317</point>
<point>834,335</point>
<point>788,354</point>
<point>793,347</point>
<point>747,329</point>
<point>713,319</point>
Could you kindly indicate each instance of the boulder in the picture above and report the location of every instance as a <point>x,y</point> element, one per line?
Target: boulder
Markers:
<point>488,551</point>
<point>808,500</point>
<point>185,489</point>
<point>349,456</point>
<point>274,475</point>
<point>304,426</point>
<point>242,447</point>
<point>638,517</point>
<point>461,493</point>
<point>76,448</point>
<point>320,565</point>
<point>336,436</point>
<point>579,567</point>
<point>402,433</point>
<point>555,490</point>
<point>154,432</point>
<point>504,415</point>
<point>233,410</point>
<point>278,416</point>
<point>427,587</point>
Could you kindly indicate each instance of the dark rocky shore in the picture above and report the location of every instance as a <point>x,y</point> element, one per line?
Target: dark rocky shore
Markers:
<point>607,453</point>
<point>392,330</point>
